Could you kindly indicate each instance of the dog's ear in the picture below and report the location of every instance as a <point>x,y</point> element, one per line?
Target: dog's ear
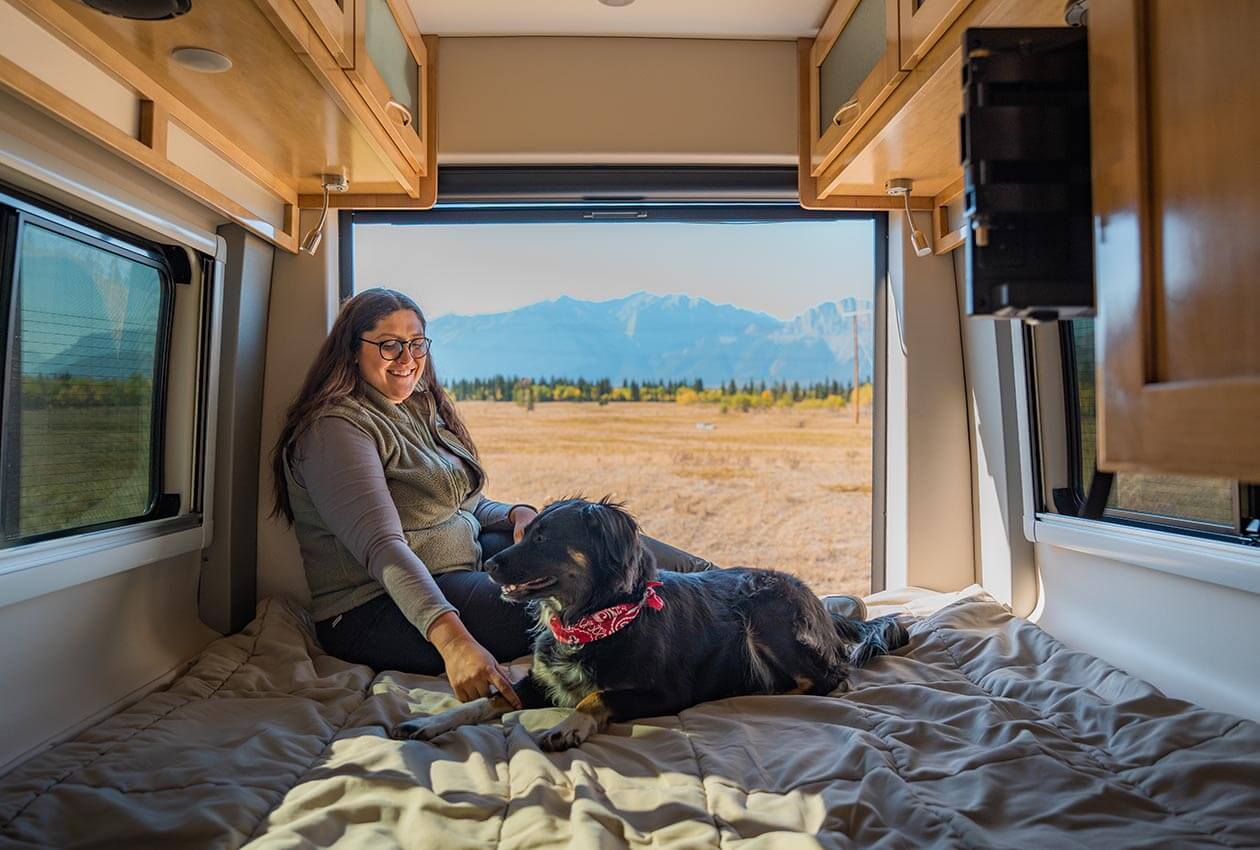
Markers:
<point>617,542</point>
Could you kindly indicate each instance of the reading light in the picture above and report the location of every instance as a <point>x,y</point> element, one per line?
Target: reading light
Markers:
<point>902,186</point>
<point>329,182</point>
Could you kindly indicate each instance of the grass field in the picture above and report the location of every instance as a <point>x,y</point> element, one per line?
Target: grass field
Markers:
<point>787,489</point>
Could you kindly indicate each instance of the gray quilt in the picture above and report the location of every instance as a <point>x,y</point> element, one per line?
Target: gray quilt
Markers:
<point>984,732</point>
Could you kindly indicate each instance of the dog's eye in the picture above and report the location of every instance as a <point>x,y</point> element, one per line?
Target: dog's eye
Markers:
<point>538,538</point>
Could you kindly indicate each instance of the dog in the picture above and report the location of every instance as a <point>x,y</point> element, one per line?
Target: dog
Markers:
<point>616,640</point>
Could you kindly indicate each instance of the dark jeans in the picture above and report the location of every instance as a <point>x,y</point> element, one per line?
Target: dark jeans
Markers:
<point>378,635</point>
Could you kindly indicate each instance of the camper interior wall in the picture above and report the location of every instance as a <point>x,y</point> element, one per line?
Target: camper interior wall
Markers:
<point>928,484</point>
<point>114,623</point>
<point>616,101</point>
<point>1176,610</point>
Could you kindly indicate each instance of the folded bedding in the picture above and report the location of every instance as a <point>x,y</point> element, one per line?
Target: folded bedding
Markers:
<point>984,732</point>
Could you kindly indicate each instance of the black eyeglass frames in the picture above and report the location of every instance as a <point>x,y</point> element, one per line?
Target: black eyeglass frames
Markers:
<point>392,349</point>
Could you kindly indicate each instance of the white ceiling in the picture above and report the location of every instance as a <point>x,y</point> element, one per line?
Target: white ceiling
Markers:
<point>774,19</point>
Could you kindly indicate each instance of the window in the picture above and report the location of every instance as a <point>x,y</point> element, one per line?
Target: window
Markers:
<point>86,332</point>
<point>1207,505</point>
<point>711,365</point>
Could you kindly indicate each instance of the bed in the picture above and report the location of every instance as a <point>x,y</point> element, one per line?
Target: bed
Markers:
<point>983,732</point>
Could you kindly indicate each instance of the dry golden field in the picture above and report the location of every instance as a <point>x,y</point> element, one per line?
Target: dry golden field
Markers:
<point>787,489</point>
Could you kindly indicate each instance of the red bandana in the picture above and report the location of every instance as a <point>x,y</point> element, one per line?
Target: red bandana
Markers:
<point>603,623</point>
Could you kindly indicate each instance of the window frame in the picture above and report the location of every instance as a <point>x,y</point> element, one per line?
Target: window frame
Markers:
<point>18,210</point>
<point>536,195</point>
<point>1246,497</point>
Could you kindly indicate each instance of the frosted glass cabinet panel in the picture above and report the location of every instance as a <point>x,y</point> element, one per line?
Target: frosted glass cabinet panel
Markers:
<point>855,64</point>
<point>389,66</point>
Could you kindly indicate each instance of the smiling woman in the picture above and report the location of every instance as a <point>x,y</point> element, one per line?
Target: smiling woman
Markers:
<point>382,483</point>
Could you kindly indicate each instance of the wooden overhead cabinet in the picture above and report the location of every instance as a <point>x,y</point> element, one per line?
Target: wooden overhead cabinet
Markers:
<point>389,70</point>
<point>1175,115</point>
<point>854,65</point>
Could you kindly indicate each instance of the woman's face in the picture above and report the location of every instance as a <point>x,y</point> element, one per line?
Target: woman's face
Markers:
<point>394,379</point>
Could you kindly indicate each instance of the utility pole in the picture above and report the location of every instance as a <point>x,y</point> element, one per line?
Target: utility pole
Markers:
<point>857,402</point>
<point>853,397</point>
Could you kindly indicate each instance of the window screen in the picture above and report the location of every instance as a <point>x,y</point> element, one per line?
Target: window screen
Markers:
<point>1175,499</point>
<point>84,361</point>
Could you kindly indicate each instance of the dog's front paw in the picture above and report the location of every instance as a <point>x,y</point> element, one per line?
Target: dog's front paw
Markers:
<point>569,733</point>
<point>421,728</point>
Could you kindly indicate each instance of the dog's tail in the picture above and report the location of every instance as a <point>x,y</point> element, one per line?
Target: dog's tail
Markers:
<point>866,639</point>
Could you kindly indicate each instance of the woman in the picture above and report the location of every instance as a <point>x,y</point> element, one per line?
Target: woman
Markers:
<point>380,479</point>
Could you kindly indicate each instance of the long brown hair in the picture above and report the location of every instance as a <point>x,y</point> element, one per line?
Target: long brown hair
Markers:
<point>334,375</point>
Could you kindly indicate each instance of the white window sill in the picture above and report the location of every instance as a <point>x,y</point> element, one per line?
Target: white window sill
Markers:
<point>1227,564</point>
<point>41,568</point>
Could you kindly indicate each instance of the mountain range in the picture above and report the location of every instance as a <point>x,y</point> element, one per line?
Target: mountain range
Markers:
<point>645,336</point>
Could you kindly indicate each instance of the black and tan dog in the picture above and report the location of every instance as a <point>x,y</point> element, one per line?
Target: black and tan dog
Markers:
<point>618,641</point>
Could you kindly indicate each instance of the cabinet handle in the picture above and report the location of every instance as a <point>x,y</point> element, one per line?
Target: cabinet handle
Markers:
<point>403,112</point>
<point>840,118</point>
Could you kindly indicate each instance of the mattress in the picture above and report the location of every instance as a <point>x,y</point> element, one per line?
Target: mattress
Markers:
<point>983,732</point>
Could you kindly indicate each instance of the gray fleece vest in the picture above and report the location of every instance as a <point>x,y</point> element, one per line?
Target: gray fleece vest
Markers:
<point>435,498</point>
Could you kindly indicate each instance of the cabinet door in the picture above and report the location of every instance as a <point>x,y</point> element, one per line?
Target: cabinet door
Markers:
<point>922,23</point>
<point>855,62</point>
<point>333,22</point>
<point>1175,118</point>
<point>389,69</point>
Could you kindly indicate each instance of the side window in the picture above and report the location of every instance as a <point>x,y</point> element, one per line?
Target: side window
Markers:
<point>1204,504</point>
<point>86,334</point>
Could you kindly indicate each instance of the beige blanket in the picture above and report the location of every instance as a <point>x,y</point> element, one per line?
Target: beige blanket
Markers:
<point>984,732</point>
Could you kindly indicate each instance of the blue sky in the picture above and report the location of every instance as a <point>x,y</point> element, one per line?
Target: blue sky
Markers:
<point>780,268</point>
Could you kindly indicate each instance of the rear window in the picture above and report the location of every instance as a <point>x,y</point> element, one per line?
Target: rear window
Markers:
<point>85,339</point>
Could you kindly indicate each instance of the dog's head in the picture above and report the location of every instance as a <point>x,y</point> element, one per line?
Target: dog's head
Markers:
<point>581,555</point>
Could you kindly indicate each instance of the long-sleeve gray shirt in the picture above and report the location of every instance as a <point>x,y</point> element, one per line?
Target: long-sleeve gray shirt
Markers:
<point>340,467</point>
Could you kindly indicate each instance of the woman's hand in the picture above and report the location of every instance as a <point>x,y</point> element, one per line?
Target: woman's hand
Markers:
<point>520,516</point>
<point>471,669</point>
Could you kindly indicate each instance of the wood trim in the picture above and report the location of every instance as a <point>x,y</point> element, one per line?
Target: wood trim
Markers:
<point>90,45</point>
<point>839,15</point>
<point>943,239</point>
<point>154,121</point>
<point>334,25</point>
<point>39,94</point>
<point>921,29</point>
<point>805,183</point>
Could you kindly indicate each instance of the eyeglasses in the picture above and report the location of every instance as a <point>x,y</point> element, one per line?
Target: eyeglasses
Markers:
<point>392,349</point>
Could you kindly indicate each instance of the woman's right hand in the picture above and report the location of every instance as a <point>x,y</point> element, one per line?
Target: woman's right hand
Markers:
<point>470,667</point>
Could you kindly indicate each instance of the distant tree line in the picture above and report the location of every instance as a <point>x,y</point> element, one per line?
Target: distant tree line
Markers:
<point>729,395</point>
<point>43,392</point>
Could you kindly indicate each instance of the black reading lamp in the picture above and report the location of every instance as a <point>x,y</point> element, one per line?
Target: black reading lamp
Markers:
<point>141,10</point>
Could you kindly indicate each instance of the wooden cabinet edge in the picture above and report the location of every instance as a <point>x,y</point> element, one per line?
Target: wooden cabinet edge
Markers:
<point>339,86</point>
<point>943,239</point>
<point>428,188</point>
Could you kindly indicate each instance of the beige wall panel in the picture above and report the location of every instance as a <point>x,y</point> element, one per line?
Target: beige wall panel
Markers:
<point>32,47</point>
<point>189,153</point>
<point>562,100</point>
<point>929,472</point>
<point>74,654</point>
<point>304,301</point>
